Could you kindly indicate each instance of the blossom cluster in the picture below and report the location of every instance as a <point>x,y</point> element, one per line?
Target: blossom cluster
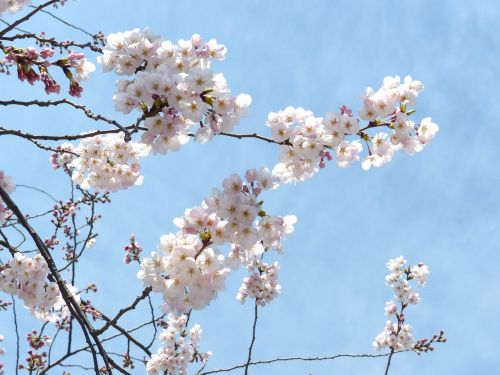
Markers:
<point>105,163</point>
<point>180,347</point>
<point>189,270</point>
<point>33,65</point>
<point>12,6</point>
<point>398,335</point>
<point>262,285</point>
<point>26,278</point>
<point>8,185</point>
<point>307,141</point>
<point>173,83</point>
<point>36,361</point>
<point>63,156</point>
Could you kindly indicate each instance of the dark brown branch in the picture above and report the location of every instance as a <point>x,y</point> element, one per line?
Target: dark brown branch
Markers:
<point>68,298</point>
<point>124,332</point>
<point>257,136</point>
<point>305,359</point>
<point>28,136</point>
<point>86,348</point>
<point>17,28</point>
<point>389,361</point>
<point>27,17</point>
<point>54,43</point>
<point>253,338</point>
<point>6,243</point>
<point>112,322</point>
<point>49,103</point>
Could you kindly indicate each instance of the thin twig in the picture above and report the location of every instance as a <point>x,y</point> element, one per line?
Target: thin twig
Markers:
<point>257,136</point>
<point>49,103</point>
<point>306,359</point>
<point>27,17</point>
<point>37,189</point>
<point>112,322</point>
<point>68,298</point>
<point>17,333</point>
<point>389,361</point>
<point>253,338</point>
<point>67,23</point>
<point>53,42</point>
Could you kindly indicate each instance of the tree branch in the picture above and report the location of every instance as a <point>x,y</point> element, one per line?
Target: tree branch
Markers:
<point>53,42</point>
<point>253,338</point>
<point>88,112</point>
<point>112,322</point>
<point>27,17</point>
<point>68,298</point>
<point>305,359</point>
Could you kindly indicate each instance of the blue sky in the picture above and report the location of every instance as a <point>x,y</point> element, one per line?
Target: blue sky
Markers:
<point>439,207</point>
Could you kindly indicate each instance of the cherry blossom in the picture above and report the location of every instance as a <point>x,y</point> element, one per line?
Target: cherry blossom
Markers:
<point>308,142</point>
<point>189,268</point>
<point>106,163</point>
<point>177,95</point>
<point>26,278</point>
<point>174,84</point>
<point>262,285</point>
<point>398,335</point>
<point>180,347</point>
<point>13,6</point>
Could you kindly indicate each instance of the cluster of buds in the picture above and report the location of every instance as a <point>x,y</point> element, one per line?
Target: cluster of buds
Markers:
<point>87,308</point>
<point>127,361</point>
<point>32,65</point>
<point>63,215</point>
<point>90,288</point>
<point>62,211</point>
<point>133,251</point>
<point>36,340</point>
<point>4,304</point>
<point>425,345</point>
<point>36,361</point>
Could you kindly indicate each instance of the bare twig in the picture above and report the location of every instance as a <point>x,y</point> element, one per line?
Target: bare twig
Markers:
<point>68,298</point>
<point>27,17</point>
<point>307,359</point>
<point>37,189</point>
<point>253,338</point>
<point>67,23</point>
<point>14,311</point>
<point>53,42</point>
<point>389,361</point>
<point>257,136</point>
<point>6,243</point>
<point>112,322</point>
<point>49,103</point>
